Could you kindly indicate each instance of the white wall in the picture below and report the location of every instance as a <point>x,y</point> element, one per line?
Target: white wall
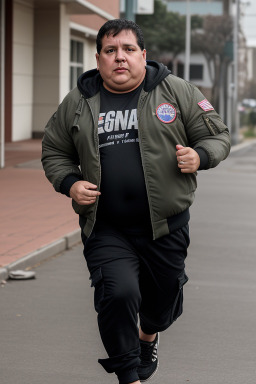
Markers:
<point>89,54</point>
<point>46,65</point>
<point>64,53</point>
<point>199,59</point>
<point>251,63</point>
<point>22,91</point>
<point>51,63</point>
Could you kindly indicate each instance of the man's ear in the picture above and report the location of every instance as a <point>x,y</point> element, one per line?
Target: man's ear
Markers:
<point>144,55</point>
<point>97,60</point>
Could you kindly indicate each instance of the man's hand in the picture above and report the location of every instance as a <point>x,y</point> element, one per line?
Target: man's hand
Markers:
<point>83,192</point>
<point>188,159</point>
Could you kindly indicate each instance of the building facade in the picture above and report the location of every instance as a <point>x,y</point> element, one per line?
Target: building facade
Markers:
<point>198,7</point>
<point>45,46</point>
<point>198,66</point>
<point>251,63</point>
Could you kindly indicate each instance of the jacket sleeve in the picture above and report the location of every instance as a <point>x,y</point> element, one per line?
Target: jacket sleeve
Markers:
<point>59,155</point>
<point>204,128</point>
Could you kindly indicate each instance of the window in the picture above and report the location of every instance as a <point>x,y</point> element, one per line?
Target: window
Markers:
<point>196,72</point>
<point>170,66</point>
<point>76,61</point>
<point>180,69</point>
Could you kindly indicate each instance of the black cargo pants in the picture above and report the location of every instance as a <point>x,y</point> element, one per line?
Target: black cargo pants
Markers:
<point>134,275</point>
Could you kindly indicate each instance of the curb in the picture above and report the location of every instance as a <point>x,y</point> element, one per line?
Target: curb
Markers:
<point>242,145</point>
<point>41,254</point>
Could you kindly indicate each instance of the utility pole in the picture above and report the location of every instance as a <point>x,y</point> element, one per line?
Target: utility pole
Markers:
<point>235,122</point>
<point>129,10</point>
<point>188,42</point>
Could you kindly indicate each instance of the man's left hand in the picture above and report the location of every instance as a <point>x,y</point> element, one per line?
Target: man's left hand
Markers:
<point>188,159</point>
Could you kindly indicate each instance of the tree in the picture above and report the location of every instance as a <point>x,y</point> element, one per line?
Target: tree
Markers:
<point>161,31</point>
<point>164,32</point>
<point>214,41</point>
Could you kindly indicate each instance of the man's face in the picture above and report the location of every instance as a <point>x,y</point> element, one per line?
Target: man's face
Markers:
<point>121,62</point>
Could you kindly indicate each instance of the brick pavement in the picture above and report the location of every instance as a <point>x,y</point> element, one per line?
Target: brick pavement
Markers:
<point>33,215</point>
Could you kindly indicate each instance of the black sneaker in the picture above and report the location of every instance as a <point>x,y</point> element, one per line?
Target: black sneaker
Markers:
<point>148,359</point>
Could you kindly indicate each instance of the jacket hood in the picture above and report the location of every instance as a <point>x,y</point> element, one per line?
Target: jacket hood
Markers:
<point>89,82</point>
<point>156,72</point>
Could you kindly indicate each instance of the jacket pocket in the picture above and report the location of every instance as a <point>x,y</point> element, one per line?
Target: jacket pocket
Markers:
<point>215,125</point>
<point>98,284</point>
<point>80,209</point>
<point>178,302</point>
<point>191,181</point>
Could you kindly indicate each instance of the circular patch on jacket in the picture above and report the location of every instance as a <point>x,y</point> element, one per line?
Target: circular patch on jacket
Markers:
<point>166,113</point>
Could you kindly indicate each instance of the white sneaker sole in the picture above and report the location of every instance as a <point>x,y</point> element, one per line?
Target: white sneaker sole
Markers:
<point>153,374</point>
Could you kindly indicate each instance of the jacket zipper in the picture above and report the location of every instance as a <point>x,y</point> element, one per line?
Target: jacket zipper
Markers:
<point>96,142</point>
<point>140,128</point>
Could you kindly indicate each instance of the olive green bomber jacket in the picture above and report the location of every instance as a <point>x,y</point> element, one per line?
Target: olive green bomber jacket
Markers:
<point>70,146</point>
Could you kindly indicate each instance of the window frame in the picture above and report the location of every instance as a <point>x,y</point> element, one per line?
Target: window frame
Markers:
<point>76,60</point>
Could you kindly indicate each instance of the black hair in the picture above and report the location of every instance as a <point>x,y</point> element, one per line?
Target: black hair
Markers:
<point>114,27</point>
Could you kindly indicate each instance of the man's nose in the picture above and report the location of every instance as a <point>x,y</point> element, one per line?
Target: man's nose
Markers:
<point>120,57</point>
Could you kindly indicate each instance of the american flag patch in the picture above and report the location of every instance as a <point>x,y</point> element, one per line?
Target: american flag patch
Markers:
<point>205,105</point>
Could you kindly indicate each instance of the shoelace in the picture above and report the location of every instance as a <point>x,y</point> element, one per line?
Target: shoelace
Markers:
<point>147,351</point>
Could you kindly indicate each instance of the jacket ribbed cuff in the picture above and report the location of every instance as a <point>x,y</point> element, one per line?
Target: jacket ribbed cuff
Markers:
<point>204,160</point>
<point>67,183</point>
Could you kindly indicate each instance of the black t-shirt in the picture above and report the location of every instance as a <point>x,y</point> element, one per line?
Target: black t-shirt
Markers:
<point>123,199</point>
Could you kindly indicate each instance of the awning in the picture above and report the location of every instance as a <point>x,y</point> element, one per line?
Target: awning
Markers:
<point>88,32</point>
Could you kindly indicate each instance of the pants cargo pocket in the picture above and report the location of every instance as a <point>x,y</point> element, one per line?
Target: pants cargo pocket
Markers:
<point>178,302</point>
<point>98,284</point>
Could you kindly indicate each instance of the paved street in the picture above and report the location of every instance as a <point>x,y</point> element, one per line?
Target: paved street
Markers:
<point>48,327</point>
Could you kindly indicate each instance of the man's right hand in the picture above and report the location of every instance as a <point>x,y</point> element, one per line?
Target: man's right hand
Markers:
<point>83,192</point>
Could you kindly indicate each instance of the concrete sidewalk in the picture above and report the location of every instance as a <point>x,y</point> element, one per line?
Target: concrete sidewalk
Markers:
<point>49,328</point>
<point>36,222</point>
